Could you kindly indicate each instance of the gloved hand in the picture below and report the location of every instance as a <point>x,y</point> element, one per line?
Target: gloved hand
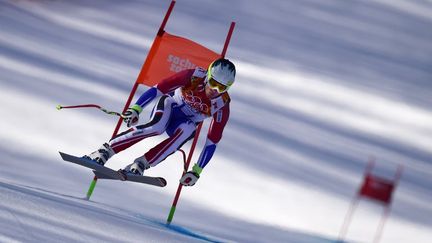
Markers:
<point>191,177</point>
<point>131,115</point>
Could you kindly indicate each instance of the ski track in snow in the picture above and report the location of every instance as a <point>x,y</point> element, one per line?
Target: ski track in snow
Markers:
<point>338,81</point>
<point>83,227</point>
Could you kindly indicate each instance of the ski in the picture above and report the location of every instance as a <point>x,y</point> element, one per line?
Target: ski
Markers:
<point>103,172</point>
<point>156,181</point>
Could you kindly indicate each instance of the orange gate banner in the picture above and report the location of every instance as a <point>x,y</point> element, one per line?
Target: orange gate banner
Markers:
<point>170,54</point>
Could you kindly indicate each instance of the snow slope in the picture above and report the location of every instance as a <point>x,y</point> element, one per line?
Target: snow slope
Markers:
<point>338,81</point>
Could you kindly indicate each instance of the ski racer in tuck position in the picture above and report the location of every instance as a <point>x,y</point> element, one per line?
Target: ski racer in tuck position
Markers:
<point>185,99</point>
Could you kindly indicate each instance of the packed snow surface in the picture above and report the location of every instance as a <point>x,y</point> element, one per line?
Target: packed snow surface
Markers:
<point>322,86</point>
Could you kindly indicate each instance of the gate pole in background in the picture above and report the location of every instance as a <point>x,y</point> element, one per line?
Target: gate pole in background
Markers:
<point>386,212</point>
<point>378,189</point>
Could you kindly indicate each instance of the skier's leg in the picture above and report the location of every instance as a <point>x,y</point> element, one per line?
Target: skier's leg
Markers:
<point>161,151</point>
<point>156,126</point>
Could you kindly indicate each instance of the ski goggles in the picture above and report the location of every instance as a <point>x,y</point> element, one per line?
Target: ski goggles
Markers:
<point>217,86</point>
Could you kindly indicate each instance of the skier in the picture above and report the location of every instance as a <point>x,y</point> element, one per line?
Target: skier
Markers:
<point>185,99</point>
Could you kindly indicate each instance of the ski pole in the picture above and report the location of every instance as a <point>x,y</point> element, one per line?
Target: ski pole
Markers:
<point>59,107</point>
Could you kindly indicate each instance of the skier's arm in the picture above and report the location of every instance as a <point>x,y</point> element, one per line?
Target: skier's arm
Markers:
<point>220,119</point>
<point>131,115</point>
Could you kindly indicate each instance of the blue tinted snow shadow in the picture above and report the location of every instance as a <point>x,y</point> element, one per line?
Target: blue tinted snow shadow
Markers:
<point>187,232</point>
<point>294,236</point>
<point>184,231</point>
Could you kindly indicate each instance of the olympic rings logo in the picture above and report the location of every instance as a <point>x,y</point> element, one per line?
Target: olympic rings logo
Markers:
<point>195,102</point>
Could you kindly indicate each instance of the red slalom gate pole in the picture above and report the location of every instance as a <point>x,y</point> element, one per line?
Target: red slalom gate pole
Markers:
<point>133,91</point>
<point>117,128</point>
<point>180,186</point>
<point>228,39</point>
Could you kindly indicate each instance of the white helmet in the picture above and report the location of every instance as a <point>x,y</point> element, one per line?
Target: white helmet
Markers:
<point>223,71</point>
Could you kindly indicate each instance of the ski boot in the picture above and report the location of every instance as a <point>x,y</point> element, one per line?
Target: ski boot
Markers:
<point>101,155</point>
<point>137,168</point>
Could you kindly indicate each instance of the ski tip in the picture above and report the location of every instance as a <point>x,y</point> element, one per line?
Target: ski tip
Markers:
<point>65,156</point>
<point>61,154</point>
<point>59,107</point>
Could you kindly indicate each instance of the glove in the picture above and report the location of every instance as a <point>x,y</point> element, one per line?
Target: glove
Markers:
<point>131,115</point>
<point>191,177</point>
